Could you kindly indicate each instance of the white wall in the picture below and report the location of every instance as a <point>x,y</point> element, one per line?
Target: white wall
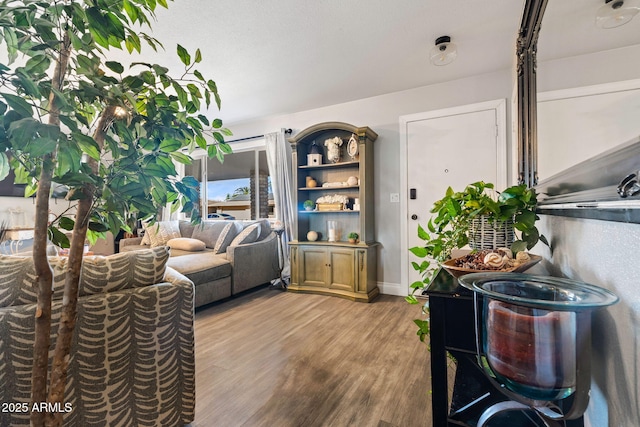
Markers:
<point>382,114</point>
<point>602,253</point>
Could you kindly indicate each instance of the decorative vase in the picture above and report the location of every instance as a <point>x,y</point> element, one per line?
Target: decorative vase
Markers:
<point>332,227</point>
<point>310,182</point>
<point>490,234</point>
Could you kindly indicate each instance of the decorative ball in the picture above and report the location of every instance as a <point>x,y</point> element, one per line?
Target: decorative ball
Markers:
<point>312,236</point>
<point>352,180</point>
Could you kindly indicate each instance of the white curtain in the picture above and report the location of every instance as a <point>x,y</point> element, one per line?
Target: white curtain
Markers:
<point>279,161</point>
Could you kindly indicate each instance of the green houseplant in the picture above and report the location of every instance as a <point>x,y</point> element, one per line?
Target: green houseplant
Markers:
<point>353,237</point>
<point>449,228</point>
<point>308,205</point>
<point>112,135</point>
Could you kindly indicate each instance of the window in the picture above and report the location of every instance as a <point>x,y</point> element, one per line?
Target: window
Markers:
<point>238,188</point>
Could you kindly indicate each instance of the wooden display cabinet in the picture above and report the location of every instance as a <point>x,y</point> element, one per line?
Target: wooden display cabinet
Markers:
<point>334,267</point>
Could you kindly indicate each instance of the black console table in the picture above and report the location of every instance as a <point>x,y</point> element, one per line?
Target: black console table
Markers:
<point>452,324</point>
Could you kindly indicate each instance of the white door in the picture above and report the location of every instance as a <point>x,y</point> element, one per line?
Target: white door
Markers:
<point>448,148</point>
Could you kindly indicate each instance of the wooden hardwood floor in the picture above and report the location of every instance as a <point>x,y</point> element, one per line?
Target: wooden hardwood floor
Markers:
<point>273,358</point>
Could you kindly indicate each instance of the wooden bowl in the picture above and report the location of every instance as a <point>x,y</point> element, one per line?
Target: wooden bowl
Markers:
<point>456,271</point>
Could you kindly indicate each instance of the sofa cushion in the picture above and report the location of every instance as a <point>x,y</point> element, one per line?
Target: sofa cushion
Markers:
<point>226,237</point>
<point>186,244</point>
<point>209,231</point>
<point>265,226</point>
<point>99,274</point>
<point>249,235</point>
<point>161,232</point>
<point>186,228</point>
<point>201,267</point>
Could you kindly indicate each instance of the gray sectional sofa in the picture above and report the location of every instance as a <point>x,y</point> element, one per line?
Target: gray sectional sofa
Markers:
<point>222,258</point>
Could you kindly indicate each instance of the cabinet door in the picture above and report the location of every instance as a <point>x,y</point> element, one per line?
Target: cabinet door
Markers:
<point>312,266</point>
<point>341,269</point>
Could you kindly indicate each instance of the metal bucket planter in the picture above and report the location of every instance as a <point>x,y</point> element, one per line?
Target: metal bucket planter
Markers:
<point>489,234</point>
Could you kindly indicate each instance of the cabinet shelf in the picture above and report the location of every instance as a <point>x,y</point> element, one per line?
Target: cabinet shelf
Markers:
<point>353,163</point>
<point>345,211</point>
<point>348,187</point>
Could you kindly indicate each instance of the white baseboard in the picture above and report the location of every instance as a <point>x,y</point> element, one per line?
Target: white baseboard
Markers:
<point>392,289</point>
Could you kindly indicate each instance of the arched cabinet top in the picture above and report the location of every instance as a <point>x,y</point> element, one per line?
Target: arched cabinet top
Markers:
<point>320,128</point>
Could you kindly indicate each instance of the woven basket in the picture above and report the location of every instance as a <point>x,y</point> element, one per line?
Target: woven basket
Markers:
<point>486,234</point>
<point>329,207</point>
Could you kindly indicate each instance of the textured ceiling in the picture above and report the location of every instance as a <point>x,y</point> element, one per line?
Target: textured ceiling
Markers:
<point>284,56</point>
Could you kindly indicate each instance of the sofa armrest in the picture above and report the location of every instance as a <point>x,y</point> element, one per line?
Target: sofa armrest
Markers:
<point>176,278</point>
<point>254,263</point>
<point>130,241</point>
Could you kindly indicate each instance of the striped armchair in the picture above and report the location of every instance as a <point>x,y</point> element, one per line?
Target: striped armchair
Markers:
<point>132,360</point>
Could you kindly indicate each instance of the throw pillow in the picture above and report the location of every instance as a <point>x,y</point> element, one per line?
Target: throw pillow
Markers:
<point>124,270</point>
<point>249,235</point>
<point>186,244</point>
<point>225,238</point>
<point>161,232</point>
<point>145,237</point>
<point>209,231</point>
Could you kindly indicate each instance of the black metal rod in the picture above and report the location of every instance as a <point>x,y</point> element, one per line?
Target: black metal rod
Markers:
<point>287,131</point>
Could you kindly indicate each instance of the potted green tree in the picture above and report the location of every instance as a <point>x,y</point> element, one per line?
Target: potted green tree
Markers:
<point>452,225</point>
<point>111,135</point>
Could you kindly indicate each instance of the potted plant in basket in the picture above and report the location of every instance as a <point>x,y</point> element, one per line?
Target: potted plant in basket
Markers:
<point>353,237</point>
<point>460,217</point>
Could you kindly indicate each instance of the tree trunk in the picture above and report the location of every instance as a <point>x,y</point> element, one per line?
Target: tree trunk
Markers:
<point>44,275</point>
<point>44,280</point>
<point>59,367</point>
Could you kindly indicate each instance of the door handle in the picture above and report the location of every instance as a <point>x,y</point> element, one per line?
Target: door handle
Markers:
<point>414,217</point>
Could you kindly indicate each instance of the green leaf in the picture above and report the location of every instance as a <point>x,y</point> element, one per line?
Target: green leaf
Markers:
<point>419,251</point>
<point>18,104</point>
<point>28,85</point>
<point>169,145</point>
<point>88,145</point>
<point>518,246</point>
<point>181,158</point>
<point>184,55</point>
<point>218,137</point>
<point>58,238</point>
<point>98,227</point>
<point>217,124</point>
<point>183,97</point>
<point>198,57</point>
<point>37,64</point>
<point>11,43</point>
<point>422,234</point>
<point>527,218</point>
<point>114,66</point>
<point>66,223</point>
<point>4,166</point>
